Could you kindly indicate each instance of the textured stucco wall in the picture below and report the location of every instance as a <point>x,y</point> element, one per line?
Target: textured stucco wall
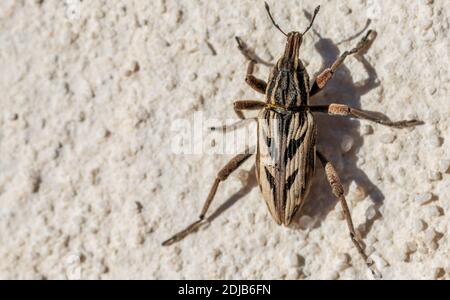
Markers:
<point>90,186</point>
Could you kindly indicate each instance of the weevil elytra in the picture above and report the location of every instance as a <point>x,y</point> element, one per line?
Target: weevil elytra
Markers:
<point>286,147</point>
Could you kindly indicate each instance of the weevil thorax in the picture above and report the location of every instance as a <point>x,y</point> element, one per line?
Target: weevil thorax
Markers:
<point>289,81</point>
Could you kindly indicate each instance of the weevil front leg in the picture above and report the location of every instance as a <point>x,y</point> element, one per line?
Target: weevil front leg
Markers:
<point>345,110</point>
<point>338,191</point>
<point>242,105</point>
<point>234,126</point>
<point>222,175</point>
<point>257,84</point>
<point>239,107</point>
<point>322,79</point>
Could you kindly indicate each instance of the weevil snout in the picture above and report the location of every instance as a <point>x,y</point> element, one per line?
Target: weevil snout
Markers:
<point>293,43</point>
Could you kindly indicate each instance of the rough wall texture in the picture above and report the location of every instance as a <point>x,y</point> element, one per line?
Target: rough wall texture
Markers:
<point>89,183</point>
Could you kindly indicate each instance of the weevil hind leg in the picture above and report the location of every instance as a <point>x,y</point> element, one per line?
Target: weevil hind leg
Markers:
<point>338,192</point>
<point>222,175</point>
<point>345,110</point>
<point>322,79</point>
<point>257,84</point>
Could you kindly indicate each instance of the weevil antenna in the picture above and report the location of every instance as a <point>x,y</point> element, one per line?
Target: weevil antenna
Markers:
<point>271,18</point>
<point>316,11</point>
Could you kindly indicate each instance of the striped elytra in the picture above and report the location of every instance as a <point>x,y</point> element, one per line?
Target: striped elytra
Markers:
<point>285,160</point>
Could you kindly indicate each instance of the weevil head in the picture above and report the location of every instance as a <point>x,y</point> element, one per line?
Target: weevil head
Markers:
<point>292,49</point>
<point>289,81</point>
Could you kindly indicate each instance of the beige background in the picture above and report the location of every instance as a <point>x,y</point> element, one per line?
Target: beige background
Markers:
<point>89,185</point>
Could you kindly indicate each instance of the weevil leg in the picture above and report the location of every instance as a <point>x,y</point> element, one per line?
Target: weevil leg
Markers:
<point>240,106</point>
<point>345,110</point>
<point>222,175</point>
<point>257,84</point>
<point>338,191</point>
<point>322,79</point>
<point>232,127</point>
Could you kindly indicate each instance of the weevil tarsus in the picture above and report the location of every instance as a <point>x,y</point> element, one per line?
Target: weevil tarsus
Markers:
<point>335,109</point>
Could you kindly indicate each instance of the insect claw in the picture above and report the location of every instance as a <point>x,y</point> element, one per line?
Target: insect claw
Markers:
<point>368,35</point>
<point>219,128</point>
<point>409,123</point>
<point>373,269</point>
<point>239,42</point>
<point>416,122</point>
<point>168,242</point>
<point>182,234</point>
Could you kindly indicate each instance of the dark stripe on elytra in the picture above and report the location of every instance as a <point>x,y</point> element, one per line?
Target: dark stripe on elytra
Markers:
<point>293,145</point>
<point>270,179</point>
<point>292,149</point>
<point>268,142</point>
<point>291,180</point>
<point>286,120</point>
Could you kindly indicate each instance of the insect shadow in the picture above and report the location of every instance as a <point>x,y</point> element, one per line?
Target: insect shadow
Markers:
<point>250,184</point>
<point>341,89</point>
<point>331,129</point>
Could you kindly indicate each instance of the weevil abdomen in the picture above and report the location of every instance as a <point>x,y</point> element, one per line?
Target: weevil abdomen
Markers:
<point>285,160</point>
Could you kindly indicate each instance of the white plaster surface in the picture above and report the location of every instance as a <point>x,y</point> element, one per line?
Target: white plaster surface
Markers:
<point>90,186</point>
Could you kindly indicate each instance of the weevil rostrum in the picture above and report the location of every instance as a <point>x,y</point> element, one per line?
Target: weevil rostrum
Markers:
<point>286,151</point>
